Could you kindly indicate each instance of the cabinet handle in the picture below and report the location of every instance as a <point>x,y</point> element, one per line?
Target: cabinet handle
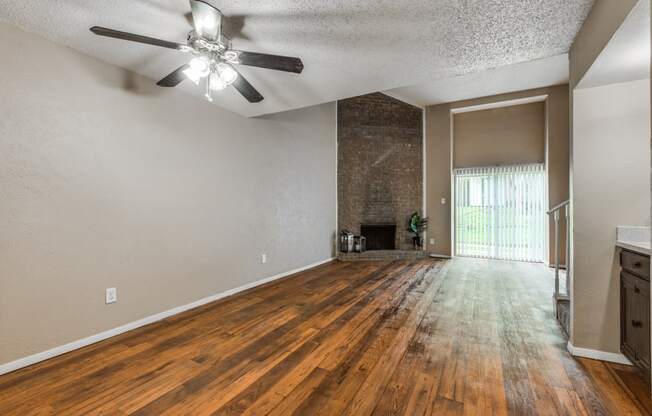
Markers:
<point>637,324</point>
<point>637,290</point>
<point>637,264</point>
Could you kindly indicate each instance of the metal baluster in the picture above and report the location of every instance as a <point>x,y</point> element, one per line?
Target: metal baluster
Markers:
<point>567,251</point>
<point>556,217</point>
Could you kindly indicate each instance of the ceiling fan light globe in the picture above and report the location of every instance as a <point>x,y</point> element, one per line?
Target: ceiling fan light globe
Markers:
<point>200,65</point>
<point>192,75</point>
<point>227,74</point>
<point>217,83</point>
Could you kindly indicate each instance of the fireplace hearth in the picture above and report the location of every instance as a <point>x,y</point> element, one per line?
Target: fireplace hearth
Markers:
<point>379,236</point>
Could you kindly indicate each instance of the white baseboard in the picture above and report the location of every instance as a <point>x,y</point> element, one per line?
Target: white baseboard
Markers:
<point>62,349</point>
<point>439,256</point>
<point>612,357</point>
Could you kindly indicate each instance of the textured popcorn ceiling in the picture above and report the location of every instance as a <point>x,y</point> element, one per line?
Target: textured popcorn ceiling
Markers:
<point>349,47</point>
<point>505,79</point>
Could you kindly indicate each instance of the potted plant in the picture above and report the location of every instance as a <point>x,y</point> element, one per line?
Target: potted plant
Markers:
<point>417,226</point>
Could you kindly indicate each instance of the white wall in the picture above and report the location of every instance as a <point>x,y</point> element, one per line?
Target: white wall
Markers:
<point>611,187</point>
<point>107,180</point>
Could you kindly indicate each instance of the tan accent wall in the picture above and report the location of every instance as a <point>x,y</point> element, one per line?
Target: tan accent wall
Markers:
<point>439,159</point>
<point>107,180</point>
<point>500,136</point>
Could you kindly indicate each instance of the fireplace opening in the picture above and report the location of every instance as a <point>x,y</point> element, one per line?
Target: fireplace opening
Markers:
<point>379,236</point>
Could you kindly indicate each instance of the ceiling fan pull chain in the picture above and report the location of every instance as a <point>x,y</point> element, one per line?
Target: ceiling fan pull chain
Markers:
<point>208,89</point>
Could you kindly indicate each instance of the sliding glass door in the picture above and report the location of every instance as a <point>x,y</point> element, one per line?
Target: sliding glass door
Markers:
<point>500,212</point>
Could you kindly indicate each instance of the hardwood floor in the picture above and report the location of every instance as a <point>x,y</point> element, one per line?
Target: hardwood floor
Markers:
<point>633,382</point>
<point>413,338</point>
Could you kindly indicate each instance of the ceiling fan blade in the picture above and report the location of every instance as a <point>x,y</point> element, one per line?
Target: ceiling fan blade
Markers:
<point>111,33</point>
<point>174,78</point>
<point>206,19</point>
<point>262,60</point>
<point>246,89</point>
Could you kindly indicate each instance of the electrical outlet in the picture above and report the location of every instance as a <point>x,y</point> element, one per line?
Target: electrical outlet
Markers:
<point>443,201</point>
<point>263,258</point>
<point>432,241</point>
<point>111,295</point>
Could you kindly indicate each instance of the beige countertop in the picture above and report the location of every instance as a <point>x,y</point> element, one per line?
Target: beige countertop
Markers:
<point>635,239</point>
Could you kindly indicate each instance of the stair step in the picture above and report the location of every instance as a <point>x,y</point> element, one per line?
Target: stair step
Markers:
<point>563,314</point>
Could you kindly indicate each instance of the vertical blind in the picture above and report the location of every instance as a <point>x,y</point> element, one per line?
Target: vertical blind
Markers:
<point>500,212</point>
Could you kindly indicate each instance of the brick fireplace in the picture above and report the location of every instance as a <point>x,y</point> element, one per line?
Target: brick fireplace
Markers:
<point>380,168</point>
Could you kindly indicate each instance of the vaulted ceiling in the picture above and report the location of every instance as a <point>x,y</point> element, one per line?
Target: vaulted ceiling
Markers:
<point>348,47</point>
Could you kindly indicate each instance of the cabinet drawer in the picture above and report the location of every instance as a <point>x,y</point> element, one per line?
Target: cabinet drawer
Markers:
<point>635,263</point>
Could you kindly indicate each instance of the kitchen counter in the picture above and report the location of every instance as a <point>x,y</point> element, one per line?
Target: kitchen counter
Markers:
<point>636,239</point>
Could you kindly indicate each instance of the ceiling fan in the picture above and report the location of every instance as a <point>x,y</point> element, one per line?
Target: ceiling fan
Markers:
<point>213,58</point>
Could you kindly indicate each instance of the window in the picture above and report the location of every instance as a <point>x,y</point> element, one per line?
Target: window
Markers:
<point>500,212</point>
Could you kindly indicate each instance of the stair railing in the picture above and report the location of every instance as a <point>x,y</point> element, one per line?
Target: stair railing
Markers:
<point>555,212</point>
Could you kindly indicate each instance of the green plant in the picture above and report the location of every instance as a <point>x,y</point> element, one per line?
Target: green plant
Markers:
<point>417,226</point>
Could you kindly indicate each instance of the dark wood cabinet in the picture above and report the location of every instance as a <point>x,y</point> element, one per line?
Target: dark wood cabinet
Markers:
<point>635,263</point>
<point>635,309</point>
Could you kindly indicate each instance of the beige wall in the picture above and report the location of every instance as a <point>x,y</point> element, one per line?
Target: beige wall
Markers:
<point>107,180</point>
<point>611,187</point>
<point>438,158</point>
<point>605,18</point>
<point>500,136</point>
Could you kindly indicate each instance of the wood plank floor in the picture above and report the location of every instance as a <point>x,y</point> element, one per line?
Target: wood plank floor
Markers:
<point>634,384</point>
<point>425,337</point>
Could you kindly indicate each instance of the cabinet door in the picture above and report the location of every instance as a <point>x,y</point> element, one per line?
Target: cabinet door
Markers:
<point>635,319</point>
<point>642,312</point>
<point>627,319</point>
